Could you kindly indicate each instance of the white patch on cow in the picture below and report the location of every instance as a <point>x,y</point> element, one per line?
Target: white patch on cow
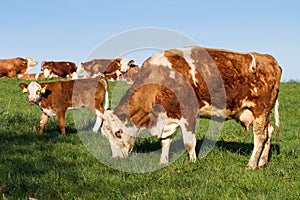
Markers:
<point>46,73</point>
<point>80,69</point>
<point>172,74</point>
<point>124,65</point>
<point>160,59</point>
<point>165,126</point>
<point>30,64</point>
<point>98,74</point>
<point>36,77</point>
<point>253,64</point>
<point>98,121</point>
<point>276,114</point>
<point>255,89</point>
<point>187,52</point>
<point>49,112</point>
<point>209,110</point>
<point>74,76</point>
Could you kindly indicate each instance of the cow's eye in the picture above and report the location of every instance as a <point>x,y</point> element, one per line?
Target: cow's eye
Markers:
<point>119,133</point>
<point>37,92</point>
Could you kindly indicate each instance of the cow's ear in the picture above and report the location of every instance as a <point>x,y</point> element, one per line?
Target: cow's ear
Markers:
<point>130,62</point>
<point>23,86</point>
<point>119,133</point>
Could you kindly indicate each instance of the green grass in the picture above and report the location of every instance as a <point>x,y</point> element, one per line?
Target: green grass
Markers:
<point>58,167</point>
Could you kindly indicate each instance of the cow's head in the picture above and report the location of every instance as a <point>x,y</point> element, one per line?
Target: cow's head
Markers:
<point>34,91</point>
<point>120,134</point>
<point>30,63</point>
<point>80,68</point>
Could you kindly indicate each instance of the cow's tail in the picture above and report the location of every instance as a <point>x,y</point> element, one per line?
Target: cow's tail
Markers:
<point>276,116</point>
<point>106,87</point>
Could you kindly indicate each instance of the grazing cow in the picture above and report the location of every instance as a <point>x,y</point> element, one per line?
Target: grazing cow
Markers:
<point>175,86</point>
<point>110,68</point>
<point>56,97</point>
<point>61,69</point>
<point>16,66</point>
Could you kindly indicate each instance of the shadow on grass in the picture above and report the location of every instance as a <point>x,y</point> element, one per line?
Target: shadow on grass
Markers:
<point>240,148</point>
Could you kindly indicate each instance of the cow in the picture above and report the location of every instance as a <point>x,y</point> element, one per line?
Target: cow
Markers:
<point>110,68</point>
<point>16,67</point>
<point>39,76</point>
<point>176,86</point>
<point>55,98</point>
<point>62,69</point>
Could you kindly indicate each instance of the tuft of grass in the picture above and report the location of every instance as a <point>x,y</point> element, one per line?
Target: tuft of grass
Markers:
<point>72,167</point>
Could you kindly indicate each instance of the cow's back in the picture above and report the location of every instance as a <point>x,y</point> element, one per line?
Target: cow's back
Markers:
<point>244,79</point>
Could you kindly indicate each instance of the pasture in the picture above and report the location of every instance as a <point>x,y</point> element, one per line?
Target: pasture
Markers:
<point>60,167</point>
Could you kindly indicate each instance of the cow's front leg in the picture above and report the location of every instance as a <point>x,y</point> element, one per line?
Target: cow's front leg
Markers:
<point>263,160</point>
<point>61,121</point>
<point>259,140</point>
<point>165,143</point>
<point>43,123</point>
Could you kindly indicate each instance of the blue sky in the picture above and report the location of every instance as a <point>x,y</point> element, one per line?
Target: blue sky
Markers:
<point>70,30</point>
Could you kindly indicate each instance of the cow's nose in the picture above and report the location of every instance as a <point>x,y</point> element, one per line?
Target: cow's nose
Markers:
<point>32,101</point>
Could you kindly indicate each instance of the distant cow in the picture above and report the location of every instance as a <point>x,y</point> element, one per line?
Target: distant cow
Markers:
<point>62,69</point>
<point>56,97</point>
<point>39,76</point>
<point>16,67</point>
<point>175,86</point>
<point>110,68</point>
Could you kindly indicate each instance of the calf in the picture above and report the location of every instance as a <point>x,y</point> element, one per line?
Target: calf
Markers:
<point>62,69</point>
<point>16,66</point>
<point>56,97</point>
<point>175,86</point>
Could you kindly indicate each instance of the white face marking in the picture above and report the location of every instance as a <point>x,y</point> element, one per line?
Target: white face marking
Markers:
<point>30,64</point>
<point>160,59</point>
<point>34,94</point>
<point>80,69</point>
<point>122,145</point>
<point>124,65</point>
<point>46,73</point>
<point>187,52</point>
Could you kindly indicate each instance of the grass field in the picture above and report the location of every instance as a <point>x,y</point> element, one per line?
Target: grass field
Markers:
<point>58,167</point>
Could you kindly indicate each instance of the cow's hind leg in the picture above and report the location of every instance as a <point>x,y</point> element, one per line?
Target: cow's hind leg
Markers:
<point>259,140</point>
<point>189,138</point>
<point>263,160</point>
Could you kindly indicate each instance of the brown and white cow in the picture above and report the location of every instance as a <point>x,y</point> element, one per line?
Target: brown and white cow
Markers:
<point>16,67</point>
<point>62,69</point>
<point>110,68</point>
<point>32,77</point>
<point>175,86</point>
<point>56,97</point>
